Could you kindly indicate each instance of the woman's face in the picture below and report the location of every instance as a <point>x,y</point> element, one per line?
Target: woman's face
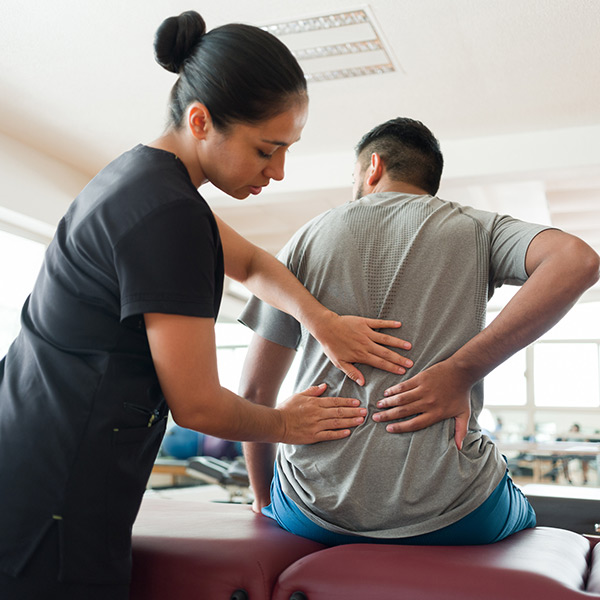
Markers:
<point>243,159</point>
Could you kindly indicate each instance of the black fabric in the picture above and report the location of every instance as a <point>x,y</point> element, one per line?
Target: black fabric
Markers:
<point>81,410</point>
<point>39,579</point>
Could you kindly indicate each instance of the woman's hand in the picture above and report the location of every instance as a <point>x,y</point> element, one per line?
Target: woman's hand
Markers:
<point>437,393</point>
<point>309,417</point>
<point>348,339</point>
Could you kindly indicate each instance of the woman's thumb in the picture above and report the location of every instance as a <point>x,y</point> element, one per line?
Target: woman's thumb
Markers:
<point>315,390</point>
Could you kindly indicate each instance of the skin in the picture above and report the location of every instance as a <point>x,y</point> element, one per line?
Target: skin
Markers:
<point>560,268</point>
<point>241,160</point>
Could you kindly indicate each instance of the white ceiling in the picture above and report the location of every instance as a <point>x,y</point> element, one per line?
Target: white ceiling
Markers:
<point>511,88</point>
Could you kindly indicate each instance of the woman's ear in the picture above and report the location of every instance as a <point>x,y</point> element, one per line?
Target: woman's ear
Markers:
<point>198,120</point>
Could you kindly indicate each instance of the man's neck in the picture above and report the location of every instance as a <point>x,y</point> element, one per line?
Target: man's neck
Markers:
<point>399,187</point>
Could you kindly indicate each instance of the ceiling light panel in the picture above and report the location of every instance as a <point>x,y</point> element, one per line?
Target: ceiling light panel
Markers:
<point>336,46</point>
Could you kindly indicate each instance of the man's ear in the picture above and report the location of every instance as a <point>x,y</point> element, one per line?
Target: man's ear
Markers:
<point>198,120</point>
<point>375,170</point>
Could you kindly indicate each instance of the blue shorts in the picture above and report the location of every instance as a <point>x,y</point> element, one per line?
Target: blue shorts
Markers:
<point>505,512</point>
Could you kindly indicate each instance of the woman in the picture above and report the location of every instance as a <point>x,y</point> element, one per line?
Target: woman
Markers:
<point>119,328</point>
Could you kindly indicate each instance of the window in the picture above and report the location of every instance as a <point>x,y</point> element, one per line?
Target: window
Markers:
<point>566,374</point>
<point>507,384</point>
<point>232,344</point>
<point>19,266</point>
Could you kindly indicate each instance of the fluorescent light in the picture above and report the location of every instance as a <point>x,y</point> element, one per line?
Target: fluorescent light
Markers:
<point>350,72</point>
<point>335,46</point>
<point>316,23</point>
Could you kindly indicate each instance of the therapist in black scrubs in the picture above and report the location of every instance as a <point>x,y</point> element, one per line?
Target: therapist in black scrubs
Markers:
<point>119,328</point>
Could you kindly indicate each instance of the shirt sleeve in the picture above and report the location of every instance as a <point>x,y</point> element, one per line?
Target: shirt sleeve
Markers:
<point>171,262</point>
<point>510,239</point>
<point>270,323</point>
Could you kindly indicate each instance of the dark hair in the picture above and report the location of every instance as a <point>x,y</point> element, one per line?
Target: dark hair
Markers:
<point>409,151</point>
<point>239,72</point>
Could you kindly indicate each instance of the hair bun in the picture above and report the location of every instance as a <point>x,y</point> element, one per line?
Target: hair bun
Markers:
<point>176,38</point>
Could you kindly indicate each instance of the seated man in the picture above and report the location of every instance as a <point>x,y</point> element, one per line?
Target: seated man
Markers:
<point>411,473</point>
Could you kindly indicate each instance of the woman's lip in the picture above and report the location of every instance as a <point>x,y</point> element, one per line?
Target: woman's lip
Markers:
<point>255,190</point>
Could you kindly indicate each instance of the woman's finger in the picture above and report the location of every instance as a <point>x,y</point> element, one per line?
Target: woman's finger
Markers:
<point>331,434</point>
<point>333,401</point>
<point>383,339</point>
<point>382,323</point>
<point>342,412</point>
<point>352,372</point>
<point>336,423</point>
<point>378,353</point>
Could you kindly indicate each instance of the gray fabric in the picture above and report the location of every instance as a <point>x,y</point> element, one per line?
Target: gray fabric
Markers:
<point>432,265</point>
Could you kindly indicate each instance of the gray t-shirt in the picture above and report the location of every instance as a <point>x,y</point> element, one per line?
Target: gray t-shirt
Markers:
<point>432,265</point>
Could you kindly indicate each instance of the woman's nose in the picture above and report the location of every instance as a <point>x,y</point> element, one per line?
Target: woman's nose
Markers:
<point>276,167</point>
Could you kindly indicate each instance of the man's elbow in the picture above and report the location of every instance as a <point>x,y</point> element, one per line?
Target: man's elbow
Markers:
<point>257,394</point>
<point>586,262</point>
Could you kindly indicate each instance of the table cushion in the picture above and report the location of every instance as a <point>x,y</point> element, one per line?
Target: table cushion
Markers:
<point>189,549</point>
<point>536,563</point>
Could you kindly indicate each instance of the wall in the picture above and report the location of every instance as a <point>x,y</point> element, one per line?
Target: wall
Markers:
<point>35,189</point>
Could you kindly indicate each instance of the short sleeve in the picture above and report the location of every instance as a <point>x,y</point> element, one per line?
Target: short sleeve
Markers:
<point>171,262</point>
<point>270,323</point>
<point>510,239</point>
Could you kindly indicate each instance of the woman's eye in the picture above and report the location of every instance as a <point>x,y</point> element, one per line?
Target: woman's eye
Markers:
<point>264,154</point>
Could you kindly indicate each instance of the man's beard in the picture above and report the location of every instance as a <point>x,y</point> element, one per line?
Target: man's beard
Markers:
<point>359,192</point>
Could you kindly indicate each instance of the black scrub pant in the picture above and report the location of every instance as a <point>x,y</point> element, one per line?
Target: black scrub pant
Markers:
<point>39,580</point>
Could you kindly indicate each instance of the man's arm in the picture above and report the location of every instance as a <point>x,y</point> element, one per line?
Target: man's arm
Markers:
<point>560,268</point>
<point>265,368</point>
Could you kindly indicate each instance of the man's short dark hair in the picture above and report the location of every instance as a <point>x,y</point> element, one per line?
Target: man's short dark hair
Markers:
<point>410,152</point>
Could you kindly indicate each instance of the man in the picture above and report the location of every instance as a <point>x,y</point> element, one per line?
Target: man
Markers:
<point>420,470</point>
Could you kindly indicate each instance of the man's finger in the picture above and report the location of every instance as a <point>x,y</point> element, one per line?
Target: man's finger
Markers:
<point>461,427</point>
<point>402,387</point>
<point>414,424</point>
<point>403,398</point>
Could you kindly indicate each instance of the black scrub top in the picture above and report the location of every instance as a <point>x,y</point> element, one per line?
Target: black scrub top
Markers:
<point>81,411</point>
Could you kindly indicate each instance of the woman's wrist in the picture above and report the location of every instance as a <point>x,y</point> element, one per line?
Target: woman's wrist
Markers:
<point>317,320</point>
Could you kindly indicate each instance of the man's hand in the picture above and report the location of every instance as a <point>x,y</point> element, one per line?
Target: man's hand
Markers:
<point>437,393</point>
<point>308,417</point>
<point>349,339</point>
